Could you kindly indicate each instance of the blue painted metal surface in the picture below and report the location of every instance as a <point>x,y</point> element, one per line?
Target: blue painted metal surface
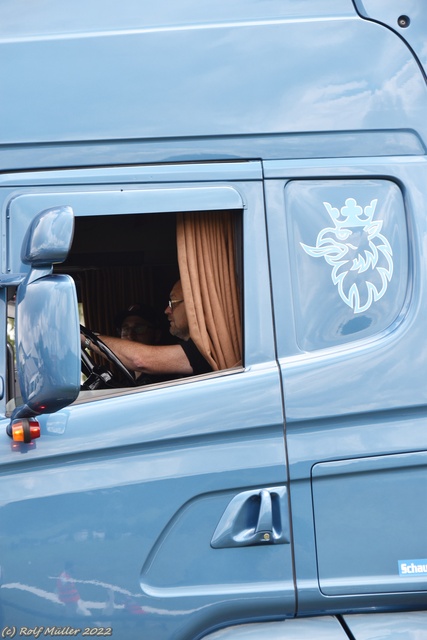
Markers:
<point>353,558</point>
<point>276,111</point>
<point>244,81</point>
<point>326,628</point>
<point>49,237</point>
<point>392,626</point>
<point>409,21</point>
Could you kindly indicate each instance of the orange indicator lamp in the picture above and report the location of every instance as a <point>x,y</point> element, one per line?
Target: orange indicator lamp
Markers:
<point>25,430</point>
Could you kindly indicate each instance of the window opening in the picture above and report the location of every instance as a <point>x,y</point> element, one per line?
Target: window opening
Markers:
<point>133,260</point>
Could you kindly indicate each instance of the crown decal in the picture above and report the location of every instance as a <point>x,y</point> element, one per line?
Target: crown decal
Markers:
<point>351,214</point>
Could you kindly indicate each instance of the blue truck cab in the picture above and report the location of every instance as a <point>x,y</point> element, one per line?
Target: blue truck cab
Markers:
<point>282,494</point>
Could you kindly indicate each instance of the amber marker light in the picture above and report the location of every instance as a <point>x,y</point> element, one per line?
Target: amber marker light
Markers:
<point>25,430</point>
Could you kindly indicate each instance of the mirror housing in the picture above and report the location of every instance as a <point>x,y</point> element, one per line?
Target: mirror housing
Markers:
<point>47,328</point>
<point>49,237</point>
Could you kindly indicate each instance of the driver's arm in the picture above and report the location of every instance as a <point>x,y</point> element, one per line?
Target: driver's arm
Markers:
<point>145,358</point>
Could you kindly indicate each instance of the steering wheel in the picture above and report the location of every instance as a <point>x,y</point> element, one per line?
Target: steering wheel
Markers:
<point>98,376</point>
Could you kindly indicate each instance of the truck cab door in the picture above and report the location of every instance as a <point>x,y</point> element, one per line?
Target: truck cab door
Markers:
<point>159,511</point>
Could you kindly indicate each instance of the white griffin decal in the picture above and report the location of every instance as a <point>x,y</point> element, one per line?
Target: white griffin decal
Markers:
<point>360,256</point>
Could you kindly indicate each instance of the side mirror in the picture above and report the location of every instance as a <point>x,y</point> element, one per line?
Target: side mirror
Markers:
<point>47,328</point>
<point>49,237</point>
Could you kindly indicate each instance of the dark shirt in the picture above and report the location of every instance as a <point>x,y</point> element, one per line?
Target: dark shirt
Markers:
<point>195,358</point>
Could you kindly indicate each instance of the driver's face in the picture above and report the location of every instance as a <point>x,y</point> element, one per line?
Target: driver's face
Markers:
<point>177,315</point>
<point>138,330</point>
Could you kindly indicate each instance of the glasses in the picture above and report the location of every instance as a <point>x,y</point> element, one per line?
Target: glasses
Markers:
<point>173,303</point>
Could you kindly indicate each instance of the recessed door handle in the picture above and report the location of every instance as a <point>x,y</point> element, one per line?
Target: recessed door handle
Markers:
<point>254,517</point>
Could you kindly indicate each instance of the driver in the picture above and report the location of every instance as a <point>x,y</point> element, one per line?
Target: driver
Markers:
<point>182,359</point>
<point>140,323</point>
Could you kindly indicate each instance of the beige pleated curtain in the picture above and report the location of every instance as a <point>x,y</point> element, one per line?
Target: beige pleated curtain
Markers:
<point>206,257</point>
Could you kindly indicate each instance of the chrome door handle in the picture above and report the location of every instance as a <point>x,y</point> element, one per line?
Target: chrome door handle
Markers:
<point>254,517</point>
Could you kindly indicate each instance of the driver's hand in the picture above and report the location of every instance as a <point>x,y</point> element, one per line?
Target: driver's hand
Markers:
<point>85,342</point>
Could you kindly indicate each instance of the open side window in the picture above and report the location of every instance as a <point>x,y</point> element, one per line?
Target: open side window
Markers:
<point>130,245</point>
<point>126,264</point>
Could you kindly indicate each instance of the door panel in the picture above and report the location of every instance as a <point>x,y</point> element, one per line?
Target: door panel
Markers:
<point>386,555</point>
<point>353,375</point>
<point>125,489</point>
<point>132,496</point>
